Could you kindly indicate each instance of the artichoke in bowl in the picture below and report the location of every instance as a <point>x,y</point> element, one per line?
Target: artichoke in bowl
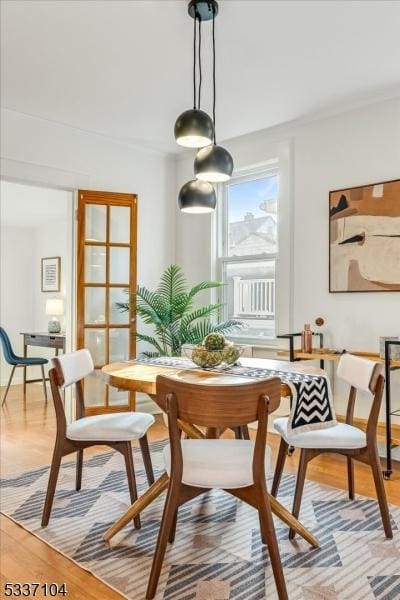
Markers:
<point>206,358</point>
<point>214,341</point>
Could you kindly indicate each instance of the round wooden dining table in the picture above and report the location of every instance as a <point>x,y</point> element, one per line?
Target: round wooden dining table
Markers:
<point>141,377</point>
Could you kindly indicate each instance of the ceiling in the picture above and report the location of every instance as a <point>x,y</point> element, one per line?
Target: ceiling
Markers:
<point>32,206</point>
<point>123,68</point>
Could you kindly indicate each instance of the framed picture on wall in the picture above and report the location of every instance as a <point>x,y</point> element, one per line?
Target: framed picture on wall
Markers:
<point>364,238</point>
<point>51,274</point>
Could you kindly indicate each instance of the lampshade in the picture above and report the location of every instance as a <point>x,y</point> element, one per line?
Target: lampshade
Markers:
<point>197,197</point>
<point>194,129</point>
<point>54,307</point>
<point>213,163</point>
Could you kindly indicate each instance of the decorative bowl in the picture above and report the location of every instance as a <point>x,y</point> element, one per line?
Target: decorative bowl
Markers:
<point>210,359</point>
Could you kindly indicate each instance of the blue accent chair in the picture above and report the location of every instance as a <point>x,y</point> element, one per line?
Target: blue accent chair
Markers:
<point>19,361</point>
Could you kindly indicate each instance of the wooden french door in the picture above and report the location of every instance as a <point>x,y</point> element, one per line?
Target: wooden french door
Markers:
<point>106,276</point>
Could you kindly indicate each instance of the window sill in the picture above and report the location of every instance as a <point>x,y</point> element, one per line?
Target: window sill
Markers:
<point>266,344</point>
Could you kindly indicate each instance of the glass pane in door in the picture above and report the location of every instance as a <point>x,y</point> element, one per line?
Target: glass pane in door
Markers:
<point>119,344</point>
<point>117,397</point>
<point>95,389</point>
<point>96,222</point>
<point>119,265</point>
<point>95,264</point>
<point>95,305</point>
<point>120,224</point>
<point>116,315</point>
<point>95,343</point>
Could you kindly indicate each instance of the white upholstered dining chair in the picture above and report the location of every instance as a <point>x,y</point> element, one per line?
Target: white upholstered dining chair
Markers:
<point>343,438</point>
<point>116,429</point>
<point>236,466</point>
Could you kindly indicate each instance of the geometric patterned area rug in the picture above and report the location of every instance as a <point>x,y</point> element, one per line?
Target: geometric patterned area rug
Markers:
<point>217,553</point>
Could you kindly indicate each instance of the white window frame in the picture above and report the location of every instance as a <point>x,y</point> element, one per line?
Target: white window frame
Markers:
<point>283,258</point>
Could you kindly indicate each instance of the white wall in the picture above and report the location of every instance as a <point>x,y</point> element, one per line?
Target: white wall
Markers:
<point>358,147</point>
<point>16,284</point>
<point>48,153</point>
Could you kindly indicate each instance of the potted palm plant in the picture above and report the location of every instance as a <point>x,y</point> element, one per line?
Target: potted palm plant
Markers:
<point>171,310</point>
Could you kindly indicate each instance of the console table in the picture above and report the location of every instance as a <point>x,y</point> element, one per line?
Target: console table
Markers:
<point>45,340</point>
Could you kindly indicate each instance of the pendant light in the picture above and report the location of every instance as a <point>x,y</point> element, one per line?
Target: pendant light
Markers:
<point>197,197</point>
<point>213,163</point>
<point>194,128</point>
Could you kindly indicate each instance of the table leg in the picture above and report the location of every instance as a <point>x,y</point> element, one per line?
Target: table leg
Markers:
<point>286,516</point>
<point>191,430</point>
<point>158,487</point>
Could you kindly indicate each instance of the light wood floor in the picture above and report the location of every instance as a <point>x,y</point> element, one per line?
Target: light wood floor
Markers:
<point>27,436</point>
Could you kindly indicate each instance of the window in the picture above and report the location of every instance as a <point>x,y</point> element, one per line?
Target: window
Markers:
<point>248,252</point>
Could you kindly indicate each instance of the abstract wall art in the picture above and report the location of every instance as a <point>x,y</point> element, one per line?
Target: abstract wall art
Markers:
<point>364,238</point>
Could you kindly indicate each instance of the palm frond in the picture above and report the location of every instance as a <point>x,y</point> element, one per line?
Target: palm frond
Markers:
<point>149,354</point>
<point>204,285</point>
<point>200,313</point>
<point>228,326</point>
<point>172,282</point>
<point>122,306</point>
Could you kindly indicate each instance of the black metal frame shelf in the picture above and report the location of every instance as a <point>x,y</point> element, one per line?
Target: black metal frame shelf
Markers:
<point>388,402</point>
<point>291,336</point>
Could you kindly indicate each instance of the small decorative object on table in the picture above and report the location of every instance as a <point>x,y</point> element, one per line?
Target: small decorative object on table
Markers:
<point>306,339</point>
<point>214,351</point>
<point>54,309</point>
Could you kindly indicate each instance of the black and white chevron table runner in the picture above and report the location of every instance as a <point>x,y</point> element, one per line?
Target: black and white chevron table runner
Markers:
<point>311,406</point>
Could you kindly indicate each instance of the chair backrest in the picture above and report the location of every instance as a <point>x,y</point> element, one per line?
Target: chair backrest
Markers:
<point>365,375</point>
<point>218,405</point>
<point>7,348</point>
<point>358,372</point>
<point>73,367</point>
<point>68,369</point>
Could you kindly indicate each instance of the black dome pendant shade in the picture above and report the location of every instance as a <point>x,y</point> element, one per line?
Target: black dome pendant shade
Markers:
<point>213,163</point>
<point>204,10</point>
<point>197,197</point>
<point>194,129</point>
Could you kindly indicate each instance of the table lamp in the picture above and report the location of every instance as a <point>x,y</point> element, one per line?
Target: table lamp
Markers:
<point>54,309</point>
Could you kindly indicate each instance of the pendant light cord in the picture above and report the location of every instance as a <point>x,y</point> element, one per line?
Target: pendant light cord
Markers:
<point>214,78</point>
<point>200,71</point>
<point>194,62</point>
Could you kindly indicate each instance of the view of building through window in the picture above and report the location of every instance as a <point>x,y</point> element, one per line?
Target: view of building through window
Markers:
<point>250,249</point>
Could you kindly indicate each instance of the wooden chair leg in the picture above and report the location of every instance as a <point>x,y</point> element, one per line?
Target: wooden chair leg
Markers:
<point>245,432</point>
<point>238,433</point>
<point>44,382</point>
<point>350,477</point>
<point>301,476</point>
<point>381,493</point>
<point>9,383</point>
<point>130,473</point>
<point>167,522</point>
<point>171,536</point>
<point>79,463</point>
<point>280,463</point>
<point>268,536</point>
<point>51,487</point>
<point>144,447</point>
